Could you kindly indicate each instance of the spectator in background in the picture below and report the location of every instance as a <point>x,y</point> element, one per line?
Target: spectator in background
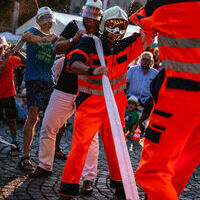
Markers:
<point>38,76</point>
<point>7,91</point>
<point>156,58</point>
<point>138,83</point>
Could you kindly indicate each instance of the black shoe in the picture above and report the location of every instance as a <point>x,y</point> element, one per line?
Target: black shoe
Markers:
<point>119,192</point>
<point>39,172</point>
<point>87,188</point>
<point>15,151</point>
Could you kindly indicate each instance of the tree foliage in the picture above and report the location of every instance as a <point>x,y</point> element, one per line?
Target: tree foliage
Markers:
<point>28,9</point>
<point>55,4</point>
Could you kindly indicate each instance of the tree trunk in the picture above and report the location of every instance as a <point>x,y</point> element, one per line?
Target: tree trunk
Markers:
<point>15,16</point>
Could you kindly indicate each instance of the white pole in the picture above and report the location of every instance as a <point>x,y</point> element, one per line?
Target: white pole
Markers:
<point>15,16</point>
<point>125,166</point>
<point>105,3</point>
<point>37,5</point>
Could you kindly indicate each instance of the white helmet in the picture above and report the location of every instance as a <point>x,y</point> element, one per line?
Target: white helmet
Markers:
<point>47,13</point>
<point>3,42</point>
<point>92,9</point>
<point>44,11</point>
<point>94,3</point>
<point>112,13</point>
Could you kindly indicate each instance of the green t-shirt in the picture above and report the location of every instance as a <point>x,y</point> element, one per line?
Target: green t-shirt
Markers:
<point>130,119</point>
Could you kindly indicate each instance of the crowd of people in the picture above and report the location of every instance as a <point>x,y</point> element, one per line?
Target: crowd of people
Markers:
<point>63,75</point>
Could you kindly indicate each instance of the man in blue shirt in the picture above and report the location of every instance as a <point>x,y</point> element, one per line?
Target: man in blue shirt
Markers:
<point>138,83</point>
<point>38,77</point>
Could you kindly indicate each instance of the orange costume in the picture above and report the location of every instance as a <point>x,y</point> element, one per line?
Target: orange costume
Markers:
<point>91,114</point>
<point>171,149</point>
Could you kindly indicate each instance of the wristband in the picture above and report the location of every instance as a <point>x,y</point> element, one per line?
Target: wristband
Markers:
<point>90,70</point>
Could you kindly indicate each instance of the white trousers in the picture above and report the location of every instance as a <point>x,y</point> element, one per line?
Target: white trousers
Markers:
<point>90,168</point>
<point>59,109</point>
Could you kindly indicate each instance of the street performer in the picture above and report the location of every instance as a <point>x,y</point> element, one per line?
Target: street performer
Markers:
<point>91,114</point>
<point>172,144</point>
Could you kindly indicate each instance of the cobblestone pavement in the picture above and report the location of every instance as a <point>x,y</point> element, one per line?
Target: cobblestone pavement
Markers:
<point>15,184</point>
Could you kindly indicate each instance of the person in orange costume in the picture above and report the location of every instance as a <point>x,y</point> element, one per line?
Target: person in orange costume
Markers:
<point>172,140</point>
<point>91,114</point>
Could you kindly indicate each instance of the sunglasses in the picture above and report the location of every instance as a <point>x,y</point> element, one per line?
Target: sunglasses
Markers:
<point>116,26</point>
<point>120,23</point>
<point>46,19</point>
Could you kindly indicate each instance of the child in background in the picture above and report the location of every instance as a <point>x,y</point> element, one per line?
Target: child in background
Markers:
<point>131,116</point>
<point>7,91</point>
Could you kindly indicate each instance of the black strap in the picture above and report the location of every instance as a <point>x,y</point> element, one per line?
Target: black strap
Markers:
<point>182,84</point>
<point>122,59</point>
<point>162,113</point>
<point>152,135</point>
<point>158,127</point>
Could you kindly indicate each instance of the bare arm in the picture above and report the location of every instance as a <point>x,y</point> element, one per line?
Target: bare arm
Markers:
<point>30,37</point>
<point>63,44</point>
<point>80,68</point>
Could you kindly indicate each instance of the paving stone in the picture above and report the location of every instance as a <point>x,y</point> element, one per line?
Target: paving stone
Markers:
<point>14,183</point>
<point>12,198</point>
<point>37,196</point>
